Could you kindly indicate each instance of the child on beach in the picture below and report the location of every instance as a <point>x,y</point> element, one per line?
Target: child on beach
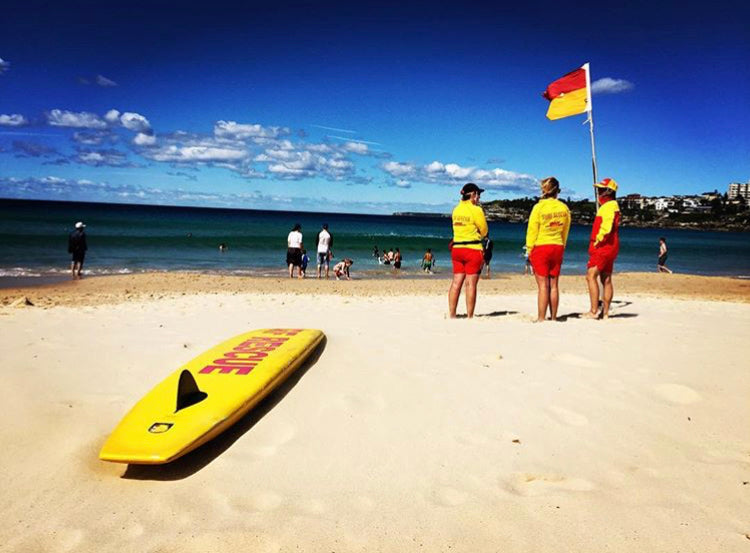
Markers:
<point>604,245</point>
<point>303,267</point>
<point>342,268</point>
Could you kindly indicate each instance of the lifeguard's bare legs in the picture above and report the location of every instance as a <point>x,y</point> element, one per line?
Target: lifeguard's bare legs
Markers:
<point>548,297</point>
<point>554,297</point>
<point>455,292</point>
<point>593,276</point>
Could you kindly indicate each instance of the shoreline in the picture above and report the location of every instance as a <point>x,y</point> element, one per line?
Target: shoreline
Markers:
<point>114,289</point>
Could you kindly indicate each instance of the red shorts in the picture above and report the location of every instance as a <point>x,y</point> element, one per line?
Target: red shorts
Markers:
<point>603,259</point>
<point>546,260</point>
<point>466,260</point>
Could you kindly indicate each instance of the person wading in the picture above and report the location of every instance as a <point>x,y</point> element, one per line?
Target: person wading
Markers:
<point>77,248</point>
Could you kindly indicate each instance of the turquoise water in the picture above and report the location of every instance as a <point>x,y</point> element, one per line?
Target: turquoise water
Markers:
<point>136,238</point>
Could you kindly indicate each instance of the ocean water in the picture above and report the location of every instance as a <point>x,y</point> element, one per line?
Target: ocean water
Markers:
<point>135,238</point>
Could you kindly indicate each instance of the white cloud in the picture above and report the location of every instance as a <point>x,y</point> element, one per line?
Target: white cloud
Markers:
<point>453,173</point>
<point>399,169</point>
<point>297,164</point>
<point>356,147</point>
<point>456,172</point>
<point>94,138</point>
<point>607,85</point>
<point>434,168</point>
<point>239,131</point>
<point>142,139</point>
<point>13,120</point>
<point>135,122</point>
<point>101,80</point>
<point>112,116</point>
<point>204,154</point>
<point>79,120</point>
<point>4,66</point>
<point>319,148</point>
<point>101,158</point>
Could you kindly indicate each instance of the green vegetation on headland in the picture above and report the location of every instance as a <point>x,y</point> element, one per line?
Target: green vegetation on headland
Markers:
<point>710,211</point>
<point>718,213</point>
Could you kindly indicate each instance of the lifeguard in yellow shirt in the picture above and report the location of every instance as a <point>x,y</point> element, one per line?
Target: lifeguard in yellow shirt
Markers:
<point>604,245</point>
<point>469,229</point>
<point>546,236</point>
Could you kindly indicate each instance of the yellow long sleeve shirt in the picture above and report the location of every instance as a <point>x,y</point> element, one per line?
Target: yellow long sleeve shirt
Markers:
<point>469,225</point>
<point>549,223</point>
<point>604,233</point>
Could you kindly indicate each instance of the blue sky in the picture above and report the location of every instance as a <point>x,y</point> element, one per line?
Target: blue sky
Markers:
<point>367,107</point>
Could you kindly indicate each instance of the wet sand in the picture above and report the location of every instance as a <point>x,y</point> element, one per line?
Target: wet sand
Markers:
<point>158,285</point>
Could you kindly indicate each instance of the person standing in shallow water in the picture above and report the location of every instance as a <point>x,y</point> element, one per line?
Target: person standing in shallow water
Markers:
<point>546,236</point>
<point>294,250</point>
<point>604,245</point>
<point>469,229</point>
<point>77,248</point>
<point>325,244</point>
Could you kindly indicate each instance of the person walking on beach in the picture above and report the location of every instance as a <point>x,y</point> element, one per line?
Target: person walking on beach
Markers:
<point>604,246</point>
<point>294,250</point>
<point>325,243</point>
<point>546,236</point>
<point>469,229</point>
<point>661,264</point>
<point>77,248</point>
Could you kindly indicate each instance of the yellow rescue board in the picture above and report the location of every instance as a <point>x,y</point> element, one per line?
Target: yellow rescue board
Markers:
<point>206,396</point>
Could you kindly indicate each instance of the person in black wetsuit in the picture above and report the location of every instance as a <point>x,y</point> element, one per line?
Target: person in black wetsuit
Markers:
<point>487,255</point>
<point>77,248</point>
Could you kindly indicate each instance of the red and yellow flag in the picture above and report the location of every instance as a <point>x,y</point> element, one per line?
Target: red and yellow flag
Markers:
<point>568,95</point>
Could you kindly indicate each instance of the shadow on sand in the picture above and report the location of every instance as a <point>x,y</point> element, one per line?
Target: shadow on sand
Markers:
<point>493,314</point>
<point>498,314</point>
<point>619,304</point>
<point>194,461</point>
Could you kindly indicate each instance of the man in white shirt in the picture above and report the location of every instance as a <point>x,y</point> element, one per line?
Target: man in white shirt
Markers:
<point>294,250</point>
<point>325,243</point>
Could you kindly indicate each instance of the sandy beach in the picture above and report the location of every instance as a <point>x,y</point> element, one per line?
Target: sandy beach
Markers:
<point>409,431</point>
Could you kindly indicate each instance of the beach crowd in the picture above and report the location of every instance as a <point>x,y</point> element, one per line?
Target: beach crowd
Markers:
<point>471,250</point>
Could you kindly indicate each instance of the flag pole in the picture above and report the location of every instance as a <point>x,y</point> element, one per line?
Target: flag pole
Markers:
<point>590,109</point>
<point>590,121</point>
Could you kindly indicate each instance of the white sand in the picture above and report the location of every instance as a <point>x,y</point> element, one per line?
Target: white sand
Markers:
<point>410,432</point>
